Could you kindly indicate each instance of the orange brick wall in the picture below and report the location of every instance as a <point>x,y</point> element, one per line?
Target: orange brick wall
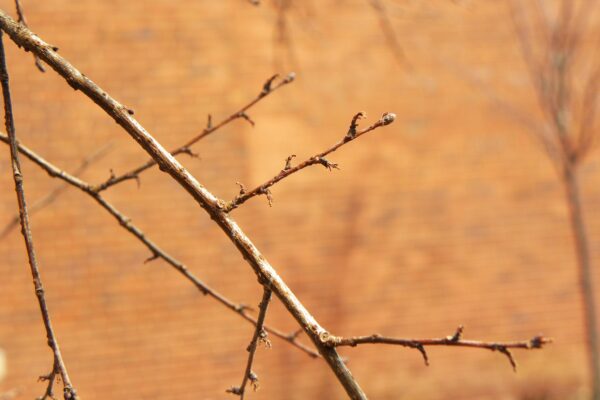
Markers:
<point>452,215</point>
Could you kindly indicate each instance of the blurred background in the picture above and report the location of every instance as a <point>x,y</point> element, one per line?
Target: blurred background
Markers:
<point>455,214</point>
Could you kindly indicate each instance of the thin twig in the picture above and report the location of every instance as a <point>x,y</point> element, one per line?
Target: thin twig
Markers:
<point>51,379</point>
<point>266,274</point>
<point>57,191</point>
<point>23,20</point>
<point>155,250</point>
<point>204,198</point>
<point>320,159</point>
<point>260,335</point>
<point>455,339</point>
<point>58,364</point>
<point>267,89</point>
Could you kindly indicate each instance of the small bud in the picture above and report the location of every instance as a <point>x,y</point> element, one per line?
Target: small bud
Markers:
<point>290,77</point>
<point>388,118</point>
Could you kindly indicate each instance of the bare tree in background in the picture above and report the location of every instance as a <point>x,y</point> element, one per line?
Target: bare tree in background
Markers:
<point>566,81</point>
<point>219,210</point>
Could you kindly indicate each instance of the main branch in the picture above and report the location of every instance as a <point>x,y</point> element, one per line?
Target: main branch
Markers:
<point>26,39</point>
<point>156,251</point>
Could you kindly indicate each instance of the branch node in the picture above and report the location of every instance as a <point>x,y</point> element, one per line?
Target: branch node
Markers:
<point>421,349</point>
<point>263,337</point>
<point>294,335</point>
<point>246,117</point>
<point>457,335</point>
<point>508,354</point>
<point>267,87</point>
<point>288,162</point>
<point>269,195</point>
<point>235,390</point>
<point>329,165</point>
<point>242,188</point>
<point>189,152</point>
<point>253,380</point>
<point>241,308</point>
<point>151,258</point>
<point>354,125</point>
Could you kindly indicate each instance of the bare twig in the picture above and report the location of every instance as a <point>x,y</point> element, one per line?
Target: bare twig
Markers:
<point>23,20</point>
<point>267,89</point>
<point>266,274</point>
<point>58,364</point>
<point>318,159</point>
<point>260,335</point>
<point>455,339</point>
<point>51,379</point>
<point>205,199</point>
<point>56,192</point>
<point>155,250</point>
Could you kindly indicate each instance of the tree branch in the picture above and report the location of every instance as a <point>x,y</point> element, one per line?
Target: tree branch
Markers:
<point>455,339</point>
<point>260,335</point>
<point>267,89</point>
<point>288,170</point>
<point>23,20</point>
<point>58,364</point>
<point>57,191</point>
<point>215,207</point>
<point>155,250</point>
<point>205,199</point>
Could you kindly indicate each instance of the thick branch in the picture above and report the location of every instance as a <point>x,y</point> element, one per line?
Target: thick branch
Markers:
<point>265,272</point>
<point>259,336</point>
<point>318,159</point>
<point>58,364</point>
<point>267,89</point>
<point>155,250</point>
<point>454,340</point>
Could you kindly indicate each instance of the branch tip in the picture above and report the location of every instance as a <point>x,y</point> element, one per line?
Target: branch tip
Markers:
<point>288,162</point>
<point>537,342</point>
<point>388,118</point>
<point>289,78</point>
